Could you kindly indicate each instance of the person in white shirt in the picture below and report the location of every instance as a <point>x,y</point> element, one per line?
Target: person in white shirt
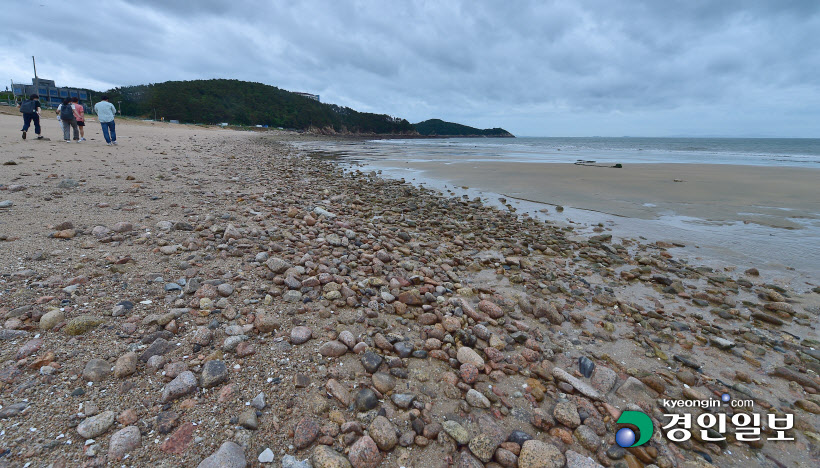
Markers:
<point>105,114</point>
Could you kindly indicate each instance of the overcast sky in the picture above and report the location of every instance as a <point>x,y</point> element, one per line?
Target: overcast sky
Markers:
<point>537,68</point>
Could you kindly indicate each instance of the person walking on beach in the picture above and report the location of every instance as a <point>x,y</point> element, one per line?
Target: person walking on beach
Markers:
<point>105,114</point>
<point>31,112</point>
<point>65,113</point>
<point>79,114</point>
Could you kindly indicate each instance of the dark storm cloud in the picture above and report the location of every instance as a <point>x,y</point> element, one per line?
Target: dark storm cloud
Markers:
<point>536,67</point>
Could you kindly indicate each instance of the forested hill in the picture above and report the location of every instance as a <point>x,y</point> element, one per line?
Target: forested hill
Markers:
<point>245,103</point>
<point>436,127</point>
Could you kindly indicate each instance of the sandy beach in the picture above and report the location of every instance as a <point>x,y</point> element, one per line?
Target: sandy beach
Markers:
<point>209,297</point>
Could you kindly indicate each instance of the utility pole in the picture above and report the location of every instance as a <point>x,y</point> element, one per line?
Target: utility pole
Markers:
<point>35,67</point>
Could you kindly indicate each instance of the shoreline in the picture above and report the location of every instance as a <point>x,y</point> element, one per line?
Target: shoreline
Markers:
<point>726,211</point>
<point>208,266</point>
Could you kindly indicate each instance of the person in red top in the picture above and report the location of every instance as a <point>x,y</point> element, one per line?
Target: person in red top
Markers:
<point>79,114</point>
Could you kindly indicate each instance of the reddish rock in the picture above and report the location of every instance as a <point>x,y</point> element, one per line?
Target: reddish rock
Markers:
<point>127,417</point>
<point>412,298</point>
<point>365,453</point>
<point>469,373</point>
<point>245,349</point>
<point>180,440</point>
<point>29,348</point>
<point>65,234</point>
<point>491,309</point>
<point>305,432</point>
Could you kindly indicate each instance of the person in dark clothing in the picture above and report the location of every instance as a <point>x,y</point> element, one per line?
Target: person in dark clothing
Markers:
<point>31,113</point>
<point>65,112</point>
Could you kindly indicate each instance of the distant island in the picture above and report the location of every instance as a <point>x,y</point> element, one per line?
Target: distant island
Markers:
<point>252,104</point>
<point>440,128</point>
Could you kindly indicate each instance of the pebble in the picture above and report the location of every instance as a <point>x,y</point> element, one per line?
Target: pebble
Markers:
<point>267,456</point>
<point>519,437</point>
<point>588,438</point>
<point>325,457</point>
<point>289,461</point>
<point>96,370</point>
<point>566,413</point>
<point>300,335</point>
<point>213,373</point>
<point>229,455</point>
<point>576,460</point>
<point>94,426</point>
<point>305,432</point>
<point>258,401</point>
<point>586,366</point>
<point>333,349</point>
<point>383,433</point>
<point>476,399</point>
<point>183,384</point>
<point>603,379</point>
<point>29,347</point>
<point>124,441</point>
<point>51,319</point>
<point>371,361</point>
<point>248,419</point>
<point>537,454</point>
<point>467,355</point>
<point>456,431</point>
<point>366,400</point>
<point>364,453</point>
<point>384,383</point>
<point>277,265</point>
<point>82,324</point>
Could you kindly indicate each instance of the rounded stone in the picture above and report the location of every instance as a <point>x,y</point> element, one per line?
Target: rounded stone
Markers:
<point>537,454</point>
<point>467,355</point>
<point>383,433</point>
<point>300,335</point>
<point>384,383</point>
<point>325,457</point>
<point>366,400</point>
<point>566,413</point>
<point>82,324</point>
<point>333,349</point>
<point>476,399</point>
<point>587,437</point>
<point>305,432</point>
<point>347,338</point>
<point>365,453</point>
<point>51,319</point>
<point>125,365</point>
<point>213,373</point>
<point>96,370</point>
<point>468,373</point>
<point>182,385</point>
<point>229,455</point>
<point>124,441</point>
<point>96,425</point>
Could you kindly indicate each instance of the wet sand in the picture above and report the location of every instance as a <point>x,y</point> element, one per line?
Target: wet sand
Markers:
<point>770,196</point>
